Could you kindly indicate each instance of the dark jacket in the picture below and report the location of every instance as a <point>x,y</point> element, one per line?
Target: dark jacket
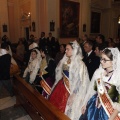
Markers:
<point>43,42</point>
<point>92,62</point>
<point>5,62</point>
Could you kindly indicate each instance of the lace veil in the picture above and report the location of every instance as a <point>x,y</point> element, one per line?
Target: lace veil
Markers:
<point>115,79</point>
<point>78,81</point>
<point>38,55</point>
<point>116,67</point>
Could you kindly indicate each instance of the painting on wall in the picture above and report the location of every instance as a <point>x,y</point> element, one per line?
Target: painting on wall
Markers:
<point>69,19</point>
<point>95,22</point>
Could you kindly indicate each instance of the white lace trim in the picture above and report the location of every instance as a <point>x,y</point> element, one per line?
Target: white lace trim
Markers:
<point>78,81</point>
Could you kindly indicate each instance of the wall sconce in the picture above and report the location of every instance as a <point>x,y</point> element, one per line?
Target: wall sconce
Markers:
<point>119,20</point>
<point>52,25</point>
<point>26,16</point>
<point>29,14</point>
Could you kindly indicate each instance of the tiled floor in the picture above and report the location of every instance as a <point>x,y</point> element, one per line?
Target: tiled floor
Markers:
<point>7,109</point>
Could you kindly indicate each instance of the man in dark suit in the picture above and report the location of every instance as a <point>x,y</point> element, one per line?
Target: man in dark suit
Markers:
<point>52,44</point>
<point>90,59</point>
<point>84,40</point>
<point>43,41</point>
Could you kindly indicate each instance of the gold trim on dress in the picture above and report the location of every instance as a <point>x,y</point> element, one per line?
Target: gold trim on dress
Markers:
<point>45,86</point>
<point>66,82</point>
<point>105,100</point>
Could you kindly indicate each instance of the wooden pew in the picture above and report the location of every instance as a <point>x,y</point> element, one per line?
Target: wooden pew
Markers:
<point>34,103</point>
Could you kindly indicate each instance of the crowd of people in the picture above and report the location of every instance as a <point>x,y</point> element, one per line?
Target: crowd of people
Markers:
<point>81,79</point>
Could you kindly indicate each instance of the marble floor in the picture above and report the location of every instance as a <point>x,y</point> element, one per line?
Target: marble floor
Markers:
<point>7,109</point>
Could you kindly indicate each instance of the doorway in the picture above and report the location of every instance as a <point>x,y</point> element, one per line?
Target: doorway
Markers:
<point>27,33</point>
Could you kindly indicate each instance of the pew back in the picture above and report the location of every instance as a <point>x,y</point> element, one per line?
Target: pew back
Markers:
<point>35,104</point>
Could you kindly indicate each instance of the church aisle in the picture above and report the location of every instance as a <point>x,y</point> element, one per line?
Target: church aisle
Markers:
<point>7,109</point>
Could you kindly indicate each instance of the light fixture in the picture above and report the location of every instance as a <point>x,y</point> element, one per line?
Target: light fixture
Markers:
<point>119,20</point>
<point>29,14</point>
<point>26,16</point>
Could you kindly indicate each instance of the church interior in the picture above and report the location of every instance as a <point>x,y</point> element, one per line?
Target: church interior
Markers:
<point>19,19</point>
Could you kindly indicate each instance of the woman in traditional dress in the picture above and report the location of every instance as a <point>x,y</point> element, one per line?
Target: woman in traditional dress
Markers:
<point>31,71</point>
<point>45,78</point>
<point>104,90</point>
<point>71,82</point>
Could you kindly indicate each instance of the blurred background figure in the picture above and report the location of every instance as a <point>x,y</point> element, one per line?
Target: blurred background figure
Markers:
<point>20,51</point>
<point>84,40</point>
<point>117,43</point>
<point>60,54</point>
<point>52,44</point>
<point>42,41</point>
<point>111,43</point>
